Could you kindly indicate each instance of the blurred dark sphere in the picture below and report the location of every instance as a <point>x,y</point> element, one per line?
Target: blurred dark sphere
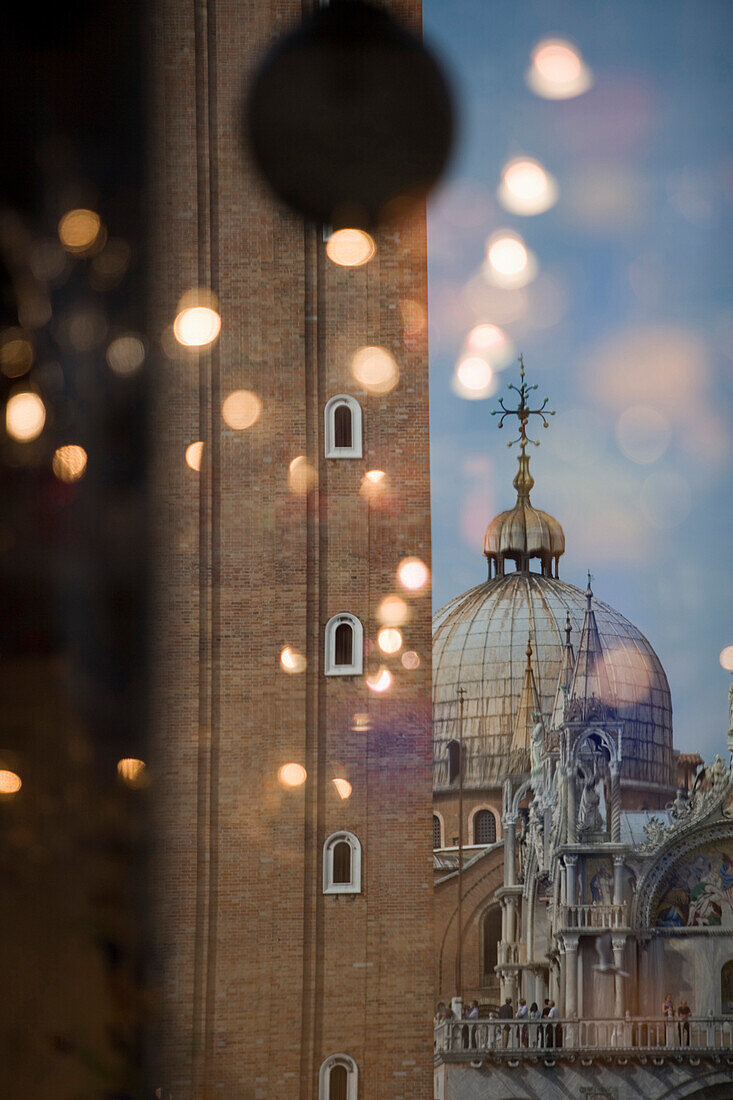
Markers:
<point>349,117</point>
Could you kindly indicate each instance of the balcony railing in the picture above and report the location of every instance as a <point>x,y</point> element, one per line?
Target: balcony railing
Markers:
<point>467,1040</point>
<point>594,915</point>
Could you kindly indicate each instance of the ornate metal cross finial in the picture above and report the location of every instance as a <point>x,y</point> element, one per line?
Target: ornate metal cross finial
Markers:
<point>522,411</point>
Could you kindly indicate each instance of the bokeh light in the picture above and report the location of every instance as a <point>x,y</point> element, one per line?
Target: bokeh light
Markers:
<point>292,661</point>
<point>474,378</point>
<point>197,326</point>
<point>25,415</point>
<point>350,247</point>
<point>389,639</point>
<point>643,434</point>
<point>375,369</point>
<point>110,265</point>
<point>69,462</point>
<point>526,187</point>
<point>194,455</point>
<point>84,329</point>
<point>126,353</point>
<point>509,263</point>
<point>410,660</point>
<point>48,260</point>
<point>302,477</point>
<point>343,787</point>
<point>374,477</point>
<point>393,611</point>
<point>10,782</point>
<point>241,409</point>
<point>16,353</point>
<point>80,231</point>
<point>380,681</point>
<point>486,338</point>
<point>558,70</point>
<point>726,658</point>
<point>292,775</point>
<point>132,772</point>
<point>412,574</point>
<point>361,722</point>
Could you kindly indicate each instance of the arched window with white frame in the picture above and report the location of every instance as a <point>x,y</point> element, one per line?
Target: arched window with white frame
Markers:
<point>484,827</point>
<point>342,864</point>
<point>343,427</point>
<point>338,1078</point>
<point>344,643</point>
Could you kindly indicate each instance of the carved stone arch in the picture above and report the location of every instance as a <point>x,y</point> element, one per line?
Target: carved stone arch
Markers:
<point>670,853</point>
<point>519,795</point>
<point>606,740</point>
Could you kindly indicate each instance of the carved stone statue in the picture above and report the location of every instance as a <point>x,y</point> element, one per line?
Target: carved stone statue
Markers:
<point>589,813</point>
<point>718,774</point>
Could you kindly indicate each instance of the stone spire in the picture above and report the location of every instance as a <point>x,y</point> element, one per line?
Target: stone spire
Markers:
<point>565,678</point>
<point>590,689</point>
<point>529,704</point>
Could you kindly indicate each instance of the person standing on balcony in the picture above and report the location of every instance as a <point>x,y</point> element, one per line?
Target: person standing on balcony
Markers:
<point>683,1014</point>
<point>523,1014</point>
<point>546,1032</point>
<point>535,1031</point>
<point>668,1013</point>
<point>555,1029</point>
<point>506,1012</point>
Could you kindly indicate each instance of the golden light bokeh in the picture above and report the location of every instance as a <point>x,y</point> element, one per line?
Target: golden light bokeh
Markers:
<point>350,247</point>
<point>474,378</point>
<point>558,70</point>
<point>302,477</point>
<point>292,775</point>
<point>361,722</point>
<point>69,462</point>
<point>292,661</point>
<point>126,353</point>
<point>375,369</point>
<point>412,574</point>
<point>241,409</point>
<point>194,455</point>
<point>389,639</point>
<point>393,611</point>
<point>80,231</point>
<point>726,658</point>
<point>410,660</point>
<point>507,254</point>
<point>197,326</point>
<point>486,337</point>
<point>509,263</point>
<point>10,782</point>
<point>132,772</point>
<point>16,353</point>
<point>343,788</point>
<point>375,476</point>
<point>380,681</point>
<point>526,187</point>
<point>25,415</point>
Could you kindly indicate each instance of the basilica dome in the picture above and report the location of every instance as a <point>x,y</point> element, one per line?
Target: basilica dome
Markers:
<point>480,644</point>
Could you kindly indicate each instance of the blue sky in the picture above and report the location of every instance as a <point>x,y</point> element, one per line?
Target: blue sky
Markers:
<point>627,326</point>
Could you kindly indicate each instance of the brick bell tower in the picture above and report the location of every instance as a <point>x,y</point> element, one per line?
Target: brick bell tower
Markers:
<point>291,922</point>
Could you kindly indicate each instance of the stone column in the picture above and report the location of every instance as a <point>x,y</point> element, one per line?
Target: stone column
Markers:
<point>615,804</point>
<point>618,880</point>
<point>572,809</point>
<point>509,822</point>
<point>571,881</point>
<point>619,943</point>
<point>571,975</point>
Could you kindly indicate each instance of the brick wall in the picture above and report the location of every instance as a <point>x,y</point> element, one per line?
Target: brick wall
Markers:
<point>259,976</point>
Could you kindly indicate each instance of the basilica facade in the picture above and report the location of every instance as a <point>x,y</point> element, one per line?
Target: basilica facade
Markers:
<point>581,864</point>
